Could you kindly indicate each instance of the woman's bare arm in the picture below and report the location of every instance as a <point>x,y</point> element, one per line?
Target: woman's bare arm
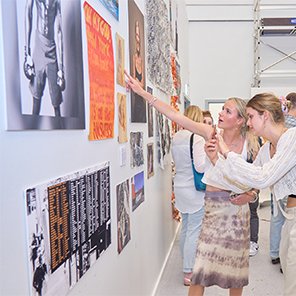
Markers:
<point>204,130</point>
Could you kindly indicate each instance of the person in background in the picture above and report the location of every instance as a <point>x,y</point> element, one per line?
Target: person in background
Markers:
<point>290,118</point>
<point>276,222</point>
<point>275,166</point>
<point>188,200</point>
<point>254,219</point>
<point>208,119</point>
<point>223,245</point>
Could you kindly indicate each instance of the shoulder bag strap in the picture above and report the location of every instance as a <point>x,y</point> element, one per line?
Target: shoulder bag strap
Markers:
<point>191,145</point>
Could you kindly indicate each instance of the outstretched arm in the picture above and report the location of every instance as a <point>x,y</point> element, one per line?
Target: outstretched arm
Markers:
<point>204,130</point>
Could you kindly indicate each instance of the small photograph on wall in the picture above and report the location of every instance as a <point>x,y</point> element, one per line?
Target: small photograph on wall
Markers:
<point>112,6</point>
<point>136,144</point>
<point>43,65</point>
<point>137,185</point>
<point>150,160</point>
<point>137,59</point>
<point>160,140</point>
<point>150,115</point>
<point>167,136</point>
<point>123,215</point>
<point>120,62</point>
<point>122,120</point>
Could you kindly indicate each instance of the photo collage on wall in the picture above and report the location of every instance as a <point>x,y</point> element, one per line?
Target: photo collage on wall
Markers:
<point>69,226</point>
<point>68,219</point>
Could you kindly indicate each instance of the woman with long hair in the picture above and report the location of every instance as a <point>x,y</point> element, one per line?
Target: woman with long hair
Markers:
<point>223,246</point>
<point>188,201</point>
<point>275,166</point>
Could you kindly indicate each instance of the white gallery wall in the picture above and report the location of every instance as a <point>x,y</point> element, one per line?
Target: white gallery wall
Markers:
<point>221,49</point>
<point>29,158</point>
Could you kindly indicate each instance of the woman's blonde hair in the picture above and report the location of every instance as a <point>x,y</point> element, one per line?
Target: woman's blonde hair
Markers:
<point>270,103</point>
<point>194,113</point>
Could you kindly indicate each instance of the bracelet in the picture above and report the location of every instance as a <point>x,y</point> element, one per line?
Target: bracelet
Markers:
<point>151,102</point>
<point>255,196</point>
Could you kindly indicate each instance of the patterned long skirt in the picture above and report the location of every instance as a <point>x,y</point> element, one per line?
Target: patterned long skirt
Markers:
<point>223,246</point>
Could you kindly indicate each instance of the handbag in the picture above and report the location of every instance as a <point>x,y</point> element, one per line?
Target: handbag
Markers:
<point>199,185</point>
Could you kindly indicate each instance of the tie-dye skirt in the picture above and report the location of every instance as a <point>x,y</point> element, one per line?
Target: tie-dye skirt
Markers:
<point>223,246</point>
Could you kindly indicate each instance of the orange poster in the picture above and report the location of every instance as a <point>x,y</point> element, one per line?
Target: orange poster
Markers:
<point>101,75</point>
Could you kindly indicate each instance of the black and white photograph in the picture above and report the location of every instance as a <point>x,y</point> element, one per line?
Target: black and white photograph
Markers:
<point>43,64</point>
<point>68,228</point>
<point>123,215</point>
<point>160,142</point>
<point>150,115</point>
<point>150,160</point>
<point>136,144</point>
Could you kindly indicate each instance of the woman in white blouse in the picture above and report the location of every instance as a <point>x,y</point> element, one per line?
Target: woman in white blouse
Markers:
<point>275,166</point>
<point>223,245</point>
<point>188,200</point>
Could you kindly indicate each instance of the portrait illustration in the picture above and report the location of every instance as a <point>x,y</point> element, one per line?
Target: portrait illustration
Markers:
<point>137,60</point>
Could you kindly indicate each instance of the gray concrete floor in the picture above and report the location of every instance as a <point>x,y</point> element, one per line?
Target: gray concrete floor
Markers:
<point>265,279</point>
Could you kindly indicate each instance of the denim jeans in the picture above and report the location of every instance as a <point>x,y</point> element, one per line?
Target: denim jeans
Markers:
<point>191,224</point>
<point>276,224</point>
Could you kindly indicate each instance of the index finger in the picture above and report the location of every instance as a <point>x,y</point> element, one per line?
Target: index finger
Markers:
<point>214,132</point>
<point>127,75</point>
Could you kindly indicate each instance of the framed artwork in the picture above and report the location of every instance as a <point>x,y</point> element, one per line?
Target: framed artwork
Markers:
<point>122,120</point>
<point>112,6</point>
<point>150,115</point>
<point>137,59</point>
<point>68,228</point>
<point>120,63</point>
<point>100,64</point>
<point>137,185</point>
<point>150,160</point>
<point>44,70</point>
<point>158,45</point>
<point>136,144</point>
<point>123,215</point>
